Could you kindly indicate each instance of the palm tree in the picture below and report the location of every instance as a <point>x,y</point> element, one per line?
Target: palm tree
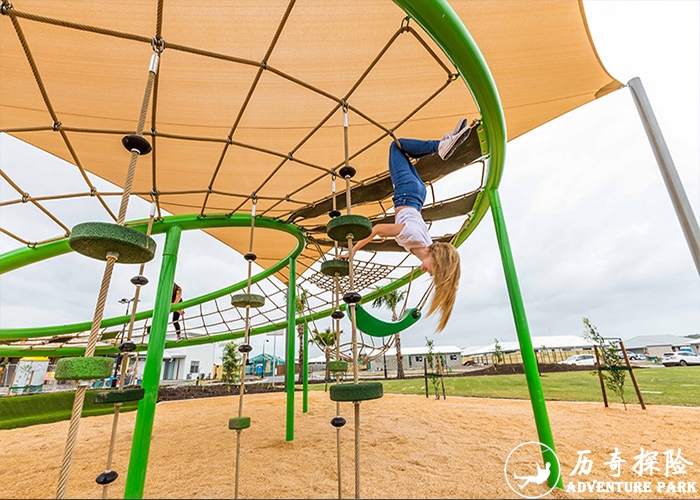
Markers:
<point>301,304</point>
<point>325,341</point>
<point>391,301</point>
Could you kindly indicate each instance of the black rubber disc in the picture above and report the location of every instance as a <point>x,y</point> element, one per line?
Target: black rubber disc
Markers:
<point>357,392</point>
<point>247,299</point>
<point>127,346</point>
<point>250,256</point>
<point>352,298</point>
<point>95,239</point>
<point>136,142</point>
<point>139,280</point>
<point>237,424</point>
<point>337,315</point>
<point>245,348</point>
<point>338,422</point>
<point>335,266</point>
<point>347,172</point>
<point>359,226</point>
<point>107,477</point>
<point>334,213</point>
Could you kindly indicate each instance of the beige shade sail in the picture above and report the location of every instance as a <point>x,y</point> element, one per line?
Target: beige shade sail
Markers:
<point>248,96</point>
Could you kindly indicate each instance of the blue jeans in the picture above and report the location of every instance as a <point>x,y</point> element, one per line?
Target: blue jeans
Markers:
<point>409,189</point>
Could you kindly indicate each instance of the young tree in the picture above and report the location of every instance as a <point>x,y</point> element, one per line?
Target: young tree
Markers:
<point>231,362</point>
<point>391,301</point>
<point>325,341</point>
<point>301,304</point>
<point>613,375</point>
<point>431,362</point>
<point>497,351</point>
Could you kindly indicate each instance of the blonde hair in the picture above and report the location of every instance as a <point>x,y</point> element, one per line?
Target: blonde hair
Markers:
<point>446,272</point>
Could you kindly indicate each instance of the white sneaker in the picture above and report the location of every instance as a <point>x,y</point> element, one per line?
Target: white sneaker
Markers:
<point>460,125</point>
<point>449,145</point>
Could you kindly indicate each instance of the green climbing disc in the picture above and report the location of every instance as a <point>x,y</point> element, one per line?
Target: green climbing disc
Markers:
<point>238,423</point>
<point>337,366</point>
<point>117,396</point>
<point>359,226</point>
<point>83,368</point>
<point>247,299</point>
<point>95,239</point>
<point>335,266</point>
<point>357,392</point>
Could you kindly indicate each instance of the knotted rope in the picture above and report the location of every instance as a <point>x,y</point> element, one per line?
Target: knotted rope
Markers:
<point>102,298</point>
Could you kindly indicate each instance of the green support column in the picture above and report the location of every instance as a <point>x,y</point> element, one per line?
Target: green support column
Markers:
<point>534,385</point>
<point>143,428</point>
<point>291,334</point>
<point>305,372</point>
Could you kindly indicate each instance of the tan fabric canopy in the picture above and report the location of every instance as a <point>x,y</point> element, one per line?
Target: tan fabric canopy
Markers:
<point>247,97</point>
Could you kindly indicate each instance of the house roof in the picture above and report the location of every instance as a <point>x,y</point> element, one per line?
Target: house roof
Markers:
<point>412,351</point>
<point>657,340</point>
<point>548,341</point>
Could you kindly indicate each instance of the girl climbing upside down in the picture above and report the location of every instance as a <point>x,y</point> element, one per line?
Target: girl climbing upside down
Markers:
<point>438,259</point>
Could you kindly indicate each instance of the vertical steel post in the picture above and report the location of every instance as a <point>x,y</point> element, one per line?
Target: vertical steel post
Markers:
<point>679,199</point>
<point>143,428</point>
<point>291,334</point>
<point>534,385</point>
<point>305,373</point>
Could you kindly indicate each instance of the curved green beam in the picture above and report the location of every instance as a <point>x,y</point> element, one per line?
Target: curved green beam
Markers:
<point>25,256</point>
<point>440,21</point>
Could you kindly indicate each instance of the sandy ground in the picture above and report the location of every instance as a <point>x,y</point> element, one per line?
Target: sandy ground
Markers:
<point>411,447</point>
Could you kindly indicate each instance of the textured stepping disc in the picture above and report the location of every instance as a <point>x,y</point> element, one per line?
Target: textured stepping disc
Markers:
<point>335,266</point>
<point>107,477</point>
<point>117,396</point>
<point>237,424</point>
<point>83,368</point>
<point>359,226</point>
<point>95,239</point>
<point>247,299</point>
<point>337,366</point>
<point>357,392</point>
<point>338,422</point>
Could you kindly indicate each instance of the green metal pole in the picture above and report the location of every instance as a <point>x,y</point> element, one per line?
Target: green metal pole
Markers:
<point>534,385</point>
<point>305,368</point>
<point>291,334</point>
<point>143,428</point>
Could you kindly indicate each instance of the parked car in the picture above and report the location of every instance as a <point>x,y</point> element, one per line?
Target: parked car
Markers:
<point>579,360</point>
<point>680,358</point>
<point>632,356</point>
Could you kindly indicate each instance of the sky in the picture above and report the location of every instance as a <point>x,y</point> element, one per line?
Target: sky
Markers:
<point>591,225</point>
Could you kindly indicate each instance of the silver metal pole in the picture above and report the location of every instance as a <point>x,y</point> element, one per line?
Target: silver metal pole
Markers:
<point>668,170</point>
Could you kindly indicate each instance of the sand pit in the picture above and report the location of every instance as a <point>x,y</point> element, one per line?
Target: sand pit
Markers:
<point>412,447</point>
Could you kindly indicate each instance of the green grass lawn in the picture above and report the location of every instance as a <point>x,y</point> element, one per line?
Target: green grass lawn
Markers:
<point>662,386</point>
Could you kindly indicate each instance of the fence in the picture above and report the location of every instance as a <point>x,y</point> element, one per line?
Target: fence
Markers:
<point>543,357</point>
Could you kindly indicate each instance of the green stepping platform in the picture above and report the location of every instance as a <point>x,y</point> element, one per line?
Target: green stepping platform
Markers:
<point>335,266</point>
<point>247,299</point>
<point>117,396</point>
<point>337,366</point>
<point>358,225</point>
<point>375,327</point>
<point>239,423</point>
<point>84,368</point>
<point>357,392</point>
<point>95,239</point>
